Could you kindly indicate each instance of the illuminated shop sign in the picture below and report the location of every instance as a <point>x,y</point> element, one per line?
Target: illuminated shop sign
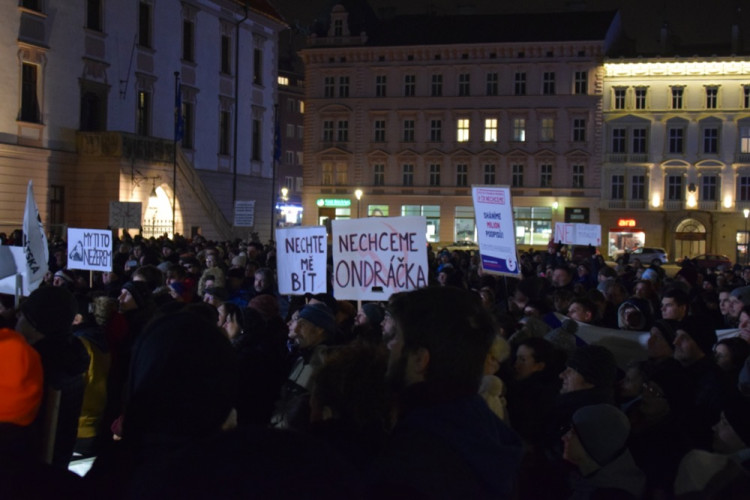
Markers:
<point>333,202</point>
<point>625,222</point>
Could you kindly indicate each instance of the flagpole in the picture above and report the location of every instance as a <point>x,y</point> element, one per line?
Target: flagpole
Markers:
<point>177,136</point>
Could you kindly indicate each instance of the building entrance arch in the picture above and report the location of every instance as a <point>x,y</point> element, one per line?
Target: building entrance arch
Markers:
<point>690,239</point>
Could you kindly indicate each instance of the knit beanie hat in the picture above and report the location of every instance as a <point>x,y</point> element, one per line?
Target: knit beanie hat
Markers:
<point>742,293</point>
<point>50,310</point>
<point>603,431</point>
<point>689,274</point>
<point>267,305</point>
<point>319,315</point>
<point>596,364</point>
<point>737,413</point>
<point>651,275</point>
<point>140,292</point>
<point>668,330</point>
<point>374,312</point>
<point>21,379</point>
<point>701,331</point>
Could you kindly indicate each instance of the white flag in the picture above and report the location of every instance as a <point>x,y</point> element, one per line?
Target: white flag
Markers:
<point>34,244</point>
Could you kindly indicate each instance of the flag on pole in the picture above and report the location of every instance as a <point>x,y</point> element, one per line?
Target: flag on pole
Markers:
<point>35,247</point>
<point>179,122</point>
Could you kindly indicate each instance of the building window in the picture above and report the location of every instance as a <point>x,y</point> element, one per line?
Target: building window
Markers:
<point>144,25</point>
<point>188,41</point>
<point>56,205</point>
<point>620,98</point>
<point>379,131</point>
<point>30,111</point>
<point>490,130</point>
<point>581,83</point>
<point>709,187</point>
<point>548,129</point>
<point>677,94</point>
<point>35,5</point>
<point>342,131</point>
<point>579,129</point>
<point>436,89</point>
<point>640,97</point>
<point>257,67</point>
<point>328,131</point>
<point>674,187</point>
<point>548,83</point>
<point>638,187</point>
<point>378,174</point>
<point>545,175</point>
<point>519,129</point>
<point>712,97</point>
<point>464,223</point>
<point>618,140</point>
<point>290,130</point>
<point>618,187</point>
<point>408,131</point>
<point>516,175</point>
<point>94,15</point>
<point>338,27</point>
<point>492,86</point>
<point>256,142</point>
<point>489,173</point>
<point>463,84</point>
<point>676,140</point>
<point>408,174</point>
<point>188,124</point>
<point>744,139</point>
<point>93,107</point>
<point>328,84</point>
<point>436,130</point>
<point>463,130</point>
<point>341,174</point>
<point>344,86</point>
<point>746,96</point>
<point>327,178</point>
<point>431,213</point>
<point>300,131</point>
<point>224,133</point>
<point>533,225</point>
<point>410,85</point>
<point>380,82</point>
<point>289,158</point>
<point>639,140</point>
<point>226,59</point>
<point>519,84</point>
<point>143,113</point>
<point>743,188</point>
<point>434,174</point>
<point>462,175</point>
<point>710,140</point>
<point>578,179</point>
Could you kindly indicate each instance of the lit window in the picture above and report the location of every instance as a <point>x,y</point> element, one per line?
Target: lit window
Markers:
<point>283,80</point>
<point>463,130</point>
<point>548,129</point>
<point>519,129</point>
<point>490,130</point>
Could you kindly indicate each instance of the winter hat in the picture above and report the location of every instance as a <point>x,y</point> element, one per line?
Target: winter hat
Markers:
<point>742,293</point>
<point>701,331</point>
<point>689,274</point>
<point>267,305</point>
<point>319,315</point>
<point>21,379</point>
<point>603,431</point>
<point>668,329</point>
<point>65,276</point>
<point>140,292</point>
<point>651,275</point>
<point>327,299</point>
<point>596,364</point>
<point>50,310</point>
<point>374,312</point>
<point>633,314</point>
<point>737,413</point>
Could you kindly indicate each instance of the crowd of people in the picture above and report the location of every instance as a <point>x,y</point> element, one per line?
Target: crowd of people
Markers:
<point>185,373</point>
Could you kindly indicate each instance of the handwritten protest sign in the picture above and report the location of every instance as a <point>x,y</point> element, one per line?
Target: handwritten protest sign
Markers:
<point>578,234</point>
<point>496,230</point>
<point>90,249</point>
<point>378,256</point>
<point>301,260</point>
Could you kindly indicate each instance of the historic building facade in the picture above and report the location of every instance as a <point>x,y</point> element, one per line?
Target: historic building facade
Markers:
<point>414,111</point>
<point>90,104</point>
<point>676,170</point>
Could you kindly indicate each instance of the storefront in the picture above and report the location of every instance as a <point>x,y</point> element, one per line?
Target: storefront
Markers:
<point>625,236</point>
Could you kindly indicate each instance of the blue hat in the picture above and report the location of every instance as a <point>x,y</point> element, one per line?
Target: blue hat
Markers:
<point>319,315</point>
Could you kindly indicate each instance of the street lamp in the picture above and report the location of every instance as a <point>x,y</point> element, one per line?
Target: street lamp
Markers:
<point>358,194</point>
<point>284,193</point>
<point>746,213</point>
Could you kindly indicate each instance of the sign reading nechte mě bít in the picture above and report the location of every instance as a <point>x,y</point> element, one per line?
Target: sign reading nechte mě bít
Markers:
<point>90,249</point>
<point>301,260</point>
<point>378,256</point>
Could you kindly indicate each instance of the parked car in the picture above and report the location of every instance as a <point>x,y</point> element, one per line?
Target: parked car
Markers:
<point>647,255</point>
<point>709,261</point>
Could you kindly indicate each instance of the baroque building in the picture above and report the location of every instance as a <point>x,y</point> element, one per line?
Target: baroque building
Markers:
<point>411,111</point>
<point>91,100</point>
